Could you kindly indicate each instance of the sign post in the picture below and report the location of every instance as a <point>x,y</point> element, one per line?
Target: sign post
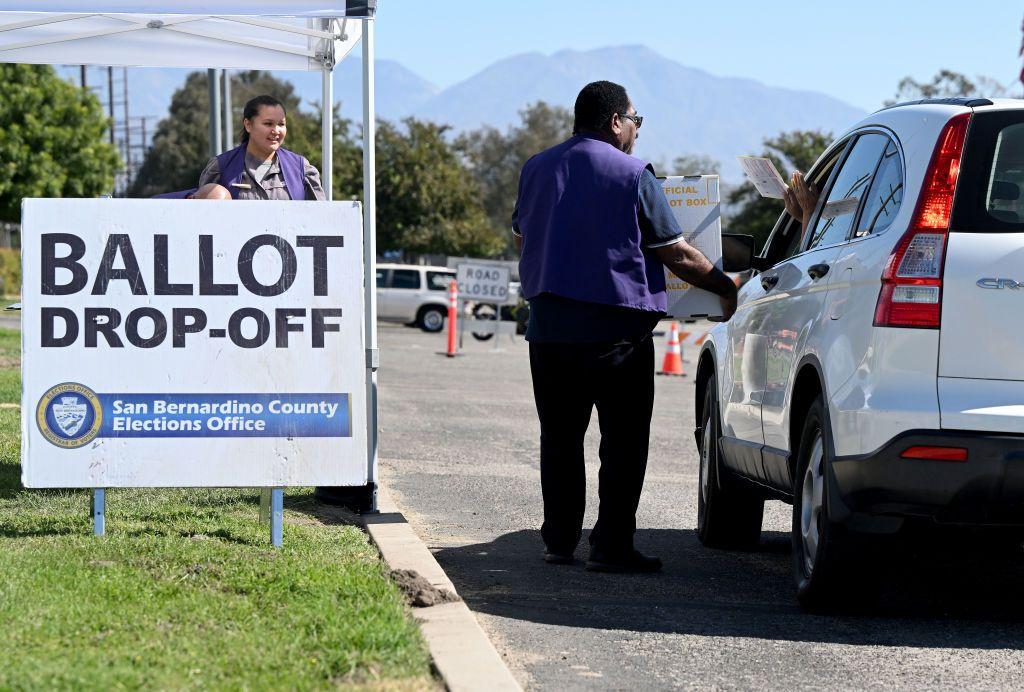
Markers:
<point>172,343</point>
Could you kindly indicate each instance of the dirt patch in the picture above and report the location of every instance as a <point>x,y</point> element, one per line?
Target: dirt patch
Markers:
<point>419,592</point>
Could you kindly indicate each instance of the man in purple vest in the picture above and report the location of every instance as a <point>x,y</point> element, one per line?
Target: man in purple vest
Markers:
<point>595,233</point>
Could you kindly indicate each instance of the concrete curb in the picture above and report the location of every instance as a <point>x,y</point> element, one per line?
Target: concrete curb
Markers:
<point>462,653</point>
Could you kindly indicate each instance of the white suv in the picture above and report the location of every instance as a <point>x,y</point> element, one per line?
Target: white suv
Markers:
<point>414,294</point>
<point>874,371</point>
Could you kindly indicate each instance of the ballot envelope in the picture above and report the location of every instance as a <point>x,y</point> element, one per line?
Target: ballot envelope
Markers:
<point>694,200</point>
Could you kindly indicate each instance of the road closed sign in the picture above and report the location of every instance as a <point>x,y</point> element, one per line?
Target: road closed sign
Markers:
<point>486,283</point>
<point>192,343</point>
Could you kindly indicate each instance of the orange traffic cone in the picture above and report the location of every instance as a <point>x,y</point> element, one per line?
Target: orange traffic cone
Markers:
<point>673,363</point>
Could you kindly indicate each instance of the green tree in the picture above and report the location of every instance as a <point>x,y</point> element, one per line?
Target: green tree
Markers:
<point>54,139</point>
<point>181,144</point>
<point>495,158</point>
<point>756,215</point>
<point>694,164</point>
<point>944,84</point>
<point>428,202</point>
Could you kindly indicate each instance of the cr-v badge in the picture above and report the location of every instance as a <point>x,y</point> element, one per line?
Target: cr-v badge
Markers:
<point>999,283</point>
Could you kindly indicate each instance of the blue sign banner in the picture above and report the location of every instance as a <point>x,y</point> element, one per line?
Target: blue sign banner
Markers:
<point>224,415</point>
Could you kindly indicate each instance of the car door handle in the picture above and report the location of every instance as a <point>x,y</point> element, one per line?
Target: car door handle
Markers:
<point>768,282</point>
<point>816,271</point>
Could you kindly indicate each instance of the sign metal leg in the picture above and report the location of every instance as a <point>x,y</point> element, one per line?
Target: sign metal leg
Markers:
<point>276,517</point>
<point>265,506</point>
<point>99,510</point>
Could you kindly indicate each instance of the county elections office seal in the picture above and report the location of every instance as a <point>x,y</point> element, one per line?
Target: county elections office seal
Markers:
<point>69,415</point>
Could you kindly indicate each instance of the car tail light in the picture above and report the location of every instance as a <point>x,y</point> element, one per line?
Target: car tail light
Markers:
<point>935,453</point>
<point>911,293</point>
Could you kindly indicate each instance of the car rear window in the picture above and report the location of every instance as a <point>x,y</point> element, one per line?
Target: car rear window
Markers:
<point>438,281</point>
<point>989,192</point>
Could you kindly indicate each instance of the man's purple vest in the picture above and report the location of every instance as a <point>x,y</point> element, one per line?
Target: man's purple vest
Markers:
<point>578,214</point>
<point>231,165</point>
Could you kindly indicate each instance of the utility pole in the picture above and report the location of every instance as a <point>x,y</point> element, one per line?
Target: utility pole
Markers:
<point>110,100</point>
<point>229,118</point>
<point>215,133</point>
<point>85,86</point>
<point>127,133</point>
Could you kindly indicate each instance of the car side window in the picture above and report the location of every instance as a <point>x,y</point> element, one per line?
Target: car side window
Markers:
<point>885,196</point>
<point>439,281</point>
<point>382,278</point>
<point>785,241</point>
<point>836,215</point>
<point>405,278</point>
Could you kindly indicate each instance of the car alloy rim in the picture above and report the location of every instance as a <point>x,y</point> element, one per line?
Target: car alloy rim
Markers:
<point>433,319</point>
<point>811,502</point>
<point>705,461</point>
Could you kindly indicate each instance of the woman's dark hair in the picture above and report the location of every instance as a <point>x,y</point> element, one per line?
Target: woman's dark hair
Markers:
<point>252,109</point>
<point>596,104</point>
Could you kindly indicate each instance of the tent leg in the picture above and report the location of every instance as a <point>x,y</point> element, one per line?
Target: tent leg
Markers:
<point>370,253</point>
<point>327,130</point>
<point>215,133</point>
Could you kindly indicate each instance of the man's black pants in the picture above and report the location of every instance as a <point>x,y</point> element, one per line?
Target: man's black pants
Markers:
<point>569,380</point>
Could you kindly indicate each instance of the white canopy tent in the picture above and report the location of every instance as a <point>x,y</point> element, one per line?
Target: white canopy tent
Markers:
<point>304,35</point>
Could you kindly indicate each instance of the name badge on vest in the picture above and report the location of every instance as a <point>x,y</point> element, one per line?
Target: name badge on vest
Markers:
<point>242,186</point>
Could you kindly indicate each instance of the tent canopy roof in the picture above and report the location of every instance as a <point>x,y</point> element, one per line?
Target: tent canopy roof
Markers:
<point>233,34</point>
<point>258,8</point>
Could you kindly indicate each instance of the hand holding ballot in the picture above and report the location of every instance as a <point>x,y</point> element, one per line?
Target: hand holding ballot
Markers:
<point>801,197</point>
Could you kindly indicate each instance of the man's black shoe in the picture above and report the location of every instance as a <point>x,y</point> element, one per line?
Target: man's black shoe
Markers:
<point>632,561</point>
<point>559,558</point>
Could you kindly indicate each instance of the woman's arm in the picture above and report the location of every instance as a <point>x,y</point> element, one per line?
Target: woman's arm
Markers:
<point>314,188</point>
<point>210,174</point>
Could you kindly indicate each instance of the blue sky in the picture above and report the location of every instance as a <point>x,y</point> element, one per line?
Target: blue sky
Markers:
<point>857,52</point>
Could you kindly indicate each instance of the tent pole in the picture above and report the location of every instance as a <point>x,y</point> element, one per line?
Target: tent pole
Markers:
<point>370,254</point>
<point>229,115</point>
<point>327,132</point>
<point>215,147</point>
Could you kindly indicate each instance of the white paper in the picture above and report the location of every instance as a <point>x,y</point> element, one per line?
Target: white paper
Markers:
<point>840,207</point>
<point>763,174</point>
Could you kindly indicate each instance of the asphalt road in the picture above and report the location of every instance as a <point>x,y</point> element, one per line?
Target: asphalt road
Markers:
<point>459,454</point>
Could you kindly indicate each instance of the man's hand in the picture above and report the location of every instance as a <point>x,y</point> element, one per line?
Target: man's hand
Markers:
<point>728,308</point>
<point>690,265</point>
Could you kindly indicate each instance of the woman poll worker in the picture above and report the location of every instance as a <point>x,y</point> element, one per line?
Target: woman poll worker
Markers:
<point>259,167</point>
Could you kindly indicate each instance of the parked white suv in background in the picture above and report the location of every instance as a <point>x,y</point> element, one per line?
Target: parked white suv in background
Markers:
<point>414,294</point>
<point>873,373</point>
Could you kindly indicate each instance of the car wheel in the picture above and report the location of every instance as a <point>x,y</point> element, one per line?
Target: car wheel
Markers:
<point>819,552</point>
<point>484,311</point>
<point>728,515</point>
<point>432,319</point>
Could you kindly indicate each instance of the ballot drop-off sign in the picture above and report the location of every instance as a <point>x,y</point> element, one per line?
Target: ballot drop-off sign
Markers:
<point>192,343</point>
<point>695,203</point>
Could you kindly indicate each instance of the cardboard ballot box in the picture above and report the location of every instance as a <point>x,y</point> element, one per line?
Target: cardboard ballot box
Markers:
<point>695,202</point>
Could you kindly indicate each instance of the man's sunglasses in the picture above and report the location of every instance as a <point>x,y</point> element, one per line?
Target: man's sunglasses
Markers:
<point>638,120</point>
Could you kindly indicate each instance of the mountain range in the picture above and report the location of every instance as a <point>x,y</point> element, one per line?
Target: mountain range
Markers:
<point>686,110</point>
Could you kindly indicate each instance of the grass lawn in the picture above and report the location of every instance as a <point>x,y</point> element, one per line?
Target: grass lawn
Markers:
<point>185,591</point>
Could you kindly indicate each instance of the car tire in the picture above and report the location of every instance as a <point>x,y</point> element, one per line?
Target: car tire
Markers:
<point>728,515</point>
<point>485,311</point>
<point>431,319</point>
<point>820,551</point>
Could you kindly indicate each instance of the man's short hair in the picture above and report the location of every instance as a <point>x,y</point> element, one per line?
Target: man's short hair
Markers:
<point>597,103</point>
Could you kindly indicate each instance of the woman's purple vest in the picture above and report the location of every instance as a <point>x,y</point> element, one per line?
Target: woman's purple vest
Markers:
<point>232,169</point>
<point>579,203</point>
<point>231,165</point>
